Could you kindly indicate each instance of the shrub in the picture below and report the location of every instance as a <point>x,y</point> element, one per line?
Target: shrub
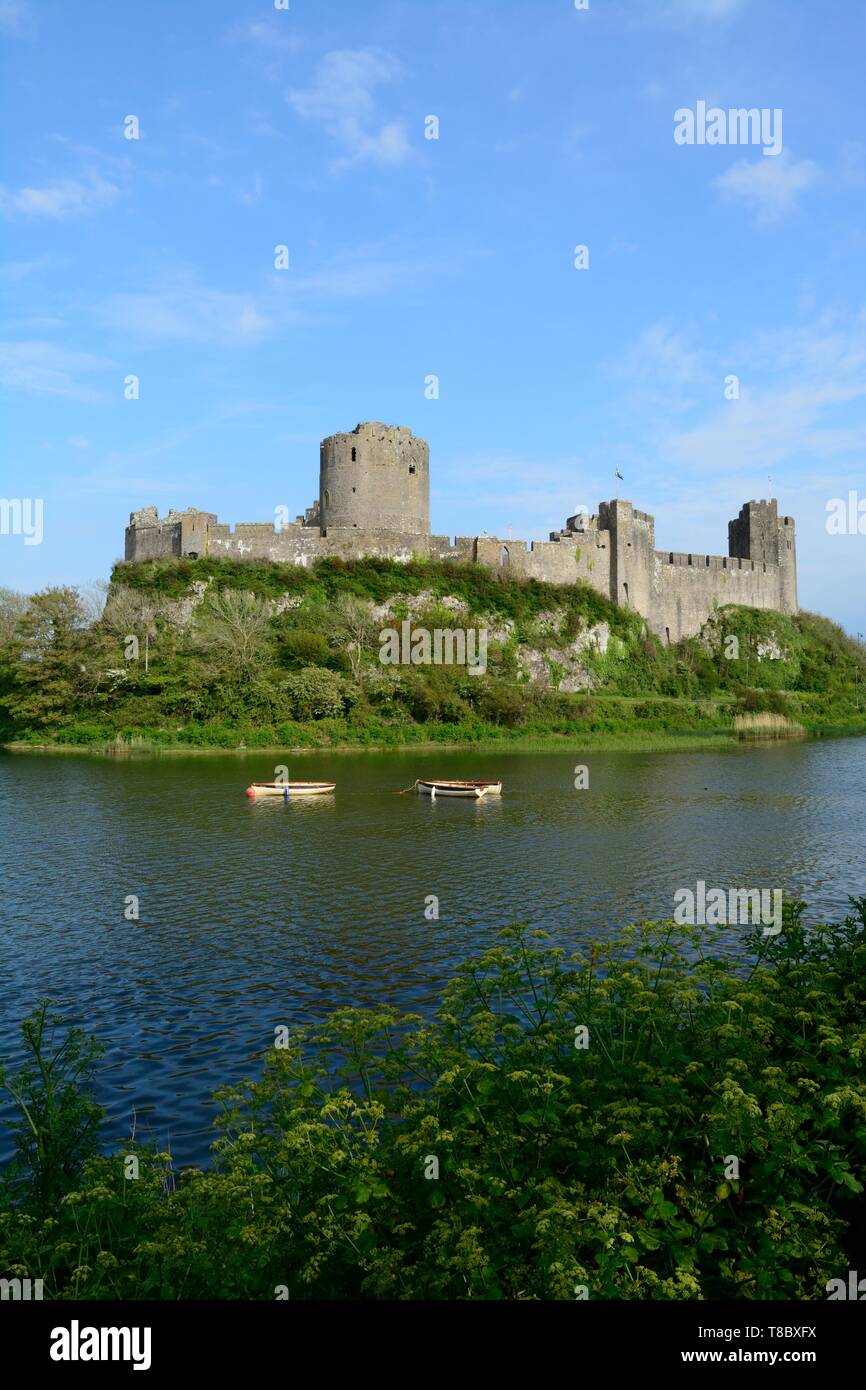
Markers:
<point>300,647</point>
<point>762,702</point>
<point>315,693</point>
<point>489,1154</point>
<point>58,1120</point>
<point>501,704</point>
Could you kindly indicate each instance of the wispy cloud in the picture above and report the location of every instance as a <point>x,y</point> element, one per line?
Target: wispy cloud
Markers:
<point>528,496</point>
<point>270,34</point>
<point>341,98</point>
<point>683,12</point>
<point>798,389</point>
<point>61,199</point>
<point>17,17</point>
<point>705,9</point>
<point>252,195</point>
<point>190,312</point>
<point>265,45</point>
<point>661,369</point>
<point>248,195</point>
<point>14,272</point>
<point>43,368</point>
<point>371,270</point>
<point>770,428</point>
<point>769,187</point>
<point>132,471</point>
<point>185,310</point>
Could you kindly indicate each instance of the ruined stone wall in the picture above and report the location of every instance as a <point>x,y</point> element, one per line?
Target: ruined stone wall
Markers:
<point>565,559</point>
<point>147,538</point>
<point>614,551</point>
<point>687,588</point>
<point>301,545</point>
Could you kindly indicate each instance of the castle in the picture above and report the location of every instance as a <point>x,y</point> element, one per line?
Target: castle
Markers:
<point>374,499</point>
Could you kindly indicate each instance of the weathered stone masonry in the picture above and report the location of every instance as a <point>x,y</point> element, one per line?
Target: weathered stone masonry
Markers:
<point>374,499</point>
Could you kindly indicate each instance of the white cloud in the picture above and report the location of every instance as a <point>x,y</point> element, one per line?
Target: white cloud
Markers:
<point>78,441</point>
<point>184,310</point>
<point>58,200</point>
<point>802,402</point>
<point>105,480</point>
<point>250,196</point>
<point>341,98</point>
<point>16,17</point>
<point>661,370</point>
<point>258,124</point>
<point>705,9</point>
<point>769,187</point>
<point>851,164</point>
<point>663,351</point>
<point>767,429</point>
<point>42,368</point>
<point>14,272</point>
<point>266,34</point>
<point>680,12</point>
<point>371,270</point>
<point>188,312</point>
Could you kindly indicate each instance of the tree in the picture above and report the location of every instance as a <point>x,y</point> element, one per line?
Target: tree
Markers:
<point>47,652</point>
<point>354,624</point>
<point>129,613</point>
<point>12,608</point>
<point>94,597</point>
<point>235,623</point>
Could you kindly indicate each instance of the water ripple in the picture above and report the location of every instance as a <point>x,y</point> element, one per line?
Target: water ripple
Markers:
<point>258,914</point>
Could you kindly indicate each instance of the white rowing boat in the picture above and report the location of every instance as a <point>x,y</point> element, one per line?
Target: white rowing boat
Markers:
<point>473,789</point>
<point>289,789</point>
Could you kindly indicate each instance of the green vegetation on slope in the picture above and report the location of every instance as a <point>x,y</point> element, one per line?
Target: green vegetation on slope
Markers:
<point>216,653</point>
<point>498,1151</point>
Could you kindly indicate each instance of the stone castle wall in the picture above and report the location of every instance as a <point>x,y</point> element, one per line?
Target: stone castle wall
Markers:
<point>374,501</point>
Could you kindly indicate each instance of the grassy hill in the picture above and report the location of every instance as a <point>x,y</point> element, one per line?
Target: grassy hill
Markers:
<point>213,653</point>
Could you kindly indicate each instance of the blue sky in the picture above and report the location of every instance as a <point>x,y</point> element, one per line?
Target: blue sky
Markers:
<point>454,257</point>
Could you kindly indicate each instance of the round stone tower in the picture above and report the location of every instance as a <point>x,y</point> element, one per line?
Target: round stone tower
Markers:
<point>376,479</point>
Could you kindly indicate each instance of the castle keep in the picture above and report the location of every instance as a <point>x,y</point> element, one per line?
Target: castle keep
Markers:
<point>374,499</point>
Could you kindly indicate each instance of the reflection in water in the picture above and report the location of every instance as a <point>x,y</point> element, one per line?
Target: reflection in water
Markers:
<point>296,804</point>
<point>258,913</point>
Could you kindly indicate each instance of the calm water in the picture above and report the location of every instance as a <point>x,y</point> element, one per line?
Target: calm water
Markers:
<point>256,914</point>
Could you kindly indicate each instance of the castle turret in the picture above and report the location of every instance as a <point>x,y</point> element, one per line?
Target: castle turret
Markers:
<point>376,478</point>
<point>760,534</point>
<point>632,544</point>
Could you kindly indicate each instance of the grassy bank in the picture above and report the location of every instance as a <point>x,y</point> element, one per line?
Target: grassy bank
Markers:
<point>654,1118</point>
<point>213,654</point>
<point>626,742</point>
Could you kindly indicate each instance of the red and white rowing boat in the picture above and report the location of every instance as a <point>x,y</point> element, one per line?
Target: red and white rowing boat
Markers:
<point>289,789</point>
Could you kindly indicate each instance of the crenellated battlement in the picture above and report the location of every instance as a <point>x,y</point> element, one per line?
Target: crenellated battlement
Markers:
<point>374,485</point>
